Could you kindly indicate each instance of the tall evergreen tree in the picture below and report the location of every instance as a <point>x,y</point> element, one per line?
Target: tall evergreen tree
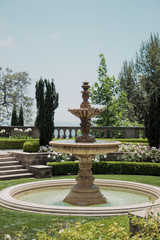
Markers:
<point>47,102</point>
<point>21,118</point>
<point>14,118</point>
<point>140,79</point>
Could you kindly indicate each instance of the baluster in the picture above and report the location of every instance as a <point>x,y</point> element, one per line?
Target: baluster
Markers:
<point>64,133</point>
<point>117,136</point>
<point>58,135</point>
<point>99,133</point>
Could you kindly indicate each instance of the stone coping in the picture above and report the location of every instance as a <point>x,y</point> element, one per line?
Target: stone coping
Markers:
<point>40,166</point>
<point>18,152</point>
<point>7,199</point>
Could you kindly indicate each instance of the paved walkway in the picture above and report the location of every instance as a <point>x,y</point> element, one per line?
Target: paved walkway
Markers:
<point>5,151</point>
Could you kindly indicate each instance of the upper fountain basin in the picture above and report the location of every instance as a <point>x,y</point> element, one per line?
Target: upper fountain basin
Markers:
<point>99,147</point>
<point>87,113</point>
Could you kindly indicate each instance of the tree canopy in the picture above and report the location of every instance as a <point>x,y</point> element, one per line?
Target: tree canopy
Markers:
<point>140,79</point>
<point>107,93</point>
<point>14,91</point>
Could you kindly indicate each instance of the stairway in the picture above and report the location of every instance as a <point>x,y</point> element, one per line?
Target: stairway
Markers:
<point>10,168</point>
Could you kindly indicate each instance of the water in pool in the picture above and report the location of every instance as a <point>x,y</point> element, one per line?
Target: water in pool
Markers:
<point>115,196</point>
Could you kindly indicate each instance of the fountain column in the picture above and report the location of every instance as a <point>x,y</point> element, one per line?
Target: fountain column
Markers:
<point>85,192</point>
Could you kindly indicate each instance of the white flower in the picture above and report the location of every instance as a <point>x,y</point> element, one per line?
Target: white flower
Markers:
<point>3,131</point>
<point>28,130</point>
<point>96,160</point>
<point>20,130</point>
<point>15,129</point>
<point>60,231</point>
<point>7,237</point>
<point>49,156</point>
<point>62,160</point>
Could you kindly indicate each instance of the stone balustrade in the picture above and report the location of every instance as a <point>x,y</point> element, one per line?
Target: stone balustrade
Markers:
<point>72,131</point>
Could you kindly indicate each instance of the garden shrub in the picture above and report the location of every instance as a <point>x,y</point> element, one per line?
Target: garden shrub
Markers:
<point>134,140</point>
<point>64,168</point>
<point>148,229</point>
<point>14,143</point>
<point>31,146</point>
<point>134,168</point>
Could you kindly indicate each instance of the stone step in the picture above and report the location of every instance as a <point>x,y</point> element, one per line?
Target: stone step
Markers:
<point>15,171</point>
<point>16,176</point>
<point>9,163</point>
<point>11,167</point>
<point>3,159</point>
<point>5,155</point>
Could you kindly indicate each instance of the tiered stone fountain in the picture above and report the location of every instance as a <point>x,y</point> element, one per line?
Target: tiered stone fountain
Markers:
<point>41,196</point>
<point>85,147</point>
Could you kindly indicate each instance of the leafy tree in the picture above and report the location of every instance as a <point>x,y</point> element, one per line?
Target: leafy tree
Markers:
<point>13,90</point>
<point>140,79</point>
<point>14,119</point>
<point>106,92</point>
<point>21,119</point>
<point>47,102</point>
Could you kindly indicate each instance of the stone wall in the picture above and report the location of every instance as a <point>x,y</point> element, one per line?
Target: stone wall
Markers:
<point>69,132</point>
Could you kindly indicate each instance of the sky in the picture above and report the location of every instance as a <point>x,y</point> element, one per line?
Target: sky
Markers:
<point>62,40</point>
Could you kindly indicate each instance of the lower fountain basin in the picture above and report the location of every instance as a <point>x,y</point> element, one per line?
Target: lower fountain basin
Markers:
<point>10,198</point>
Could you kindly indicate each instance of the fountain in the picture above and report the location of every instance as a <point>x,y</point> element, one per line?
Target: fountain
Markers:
<point>85,147</point>
<point>85,197</point>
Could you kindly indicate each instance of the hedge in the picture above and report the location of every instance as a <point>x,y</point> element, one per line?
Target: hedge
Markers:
<point>134,168</point>
<point>138,140</point>
<point>14,143</point>
<point>32,146</point>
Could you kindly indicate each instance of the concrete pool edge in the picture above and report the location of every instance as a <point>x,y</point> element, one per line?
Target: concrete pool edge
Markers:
<point>7,199</point>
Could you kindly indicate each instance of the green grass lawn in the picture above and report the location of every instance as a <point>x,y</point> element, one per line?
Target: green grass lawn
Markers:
<point>13,221</point>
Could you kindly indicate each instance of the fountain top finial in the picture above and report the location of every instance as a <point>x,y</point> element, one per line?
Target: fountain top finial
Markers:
<point>85,96</point>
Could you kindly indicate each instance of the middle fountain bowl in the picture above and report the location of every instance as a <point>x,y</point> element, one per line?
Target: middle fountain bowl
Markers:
<point>84,148</point>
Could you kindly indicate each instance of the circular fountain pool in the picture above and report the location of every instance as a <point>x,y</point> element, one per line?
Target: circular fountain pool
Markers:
<point>46,197</point>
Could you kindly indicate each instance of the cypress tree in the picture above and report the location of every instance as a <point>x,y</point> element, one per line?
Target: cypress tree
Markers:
<point>47,102</point>
<point>21,118</point>
<point>14,118</point>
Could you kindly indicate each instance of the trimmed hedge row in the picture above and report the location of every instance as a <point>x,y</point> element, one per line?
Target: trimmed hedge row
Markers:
<point>133,140</point>
<point>134,168</point>
<point>14,143</point>
<point>18,143</point>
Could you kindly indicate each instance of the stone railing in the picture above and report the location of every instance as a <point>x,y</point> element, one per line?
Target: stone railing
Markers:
<point>69,132</point>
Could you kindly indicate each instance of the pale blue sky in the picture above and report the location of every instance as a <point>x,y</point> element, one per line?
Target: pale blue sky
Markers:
<point>62,39</point>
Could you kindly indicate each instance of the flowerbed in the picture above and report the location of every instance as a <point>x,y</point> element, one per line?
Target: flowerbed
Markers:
<point>139,153</point>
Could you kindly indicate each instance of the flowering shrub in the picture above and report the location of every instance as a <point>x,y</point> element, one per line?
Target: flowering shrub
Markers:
<point>149,229</point>
<point>45,149</point>
<point>59,157</point>
<point>55,156</point>
<point>2,133</point>
<point>139,153</point>
<point>100,157</point>
<point>20,134</point>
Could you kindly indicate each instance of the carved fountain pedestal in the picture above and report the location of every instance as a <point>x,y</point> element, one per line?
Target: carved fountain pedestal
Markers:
<point>85,193</point>
<point>85,147</point>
